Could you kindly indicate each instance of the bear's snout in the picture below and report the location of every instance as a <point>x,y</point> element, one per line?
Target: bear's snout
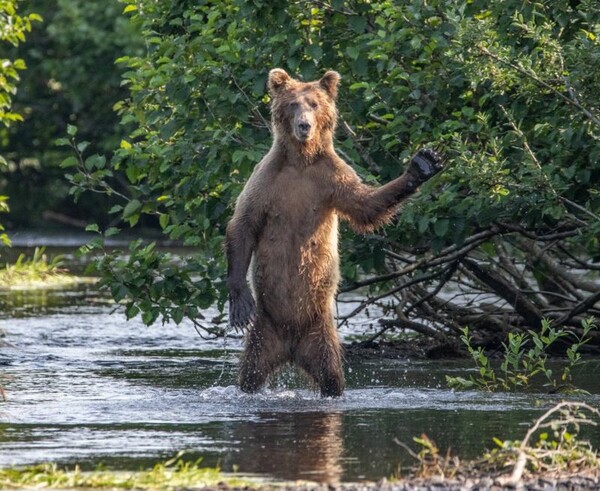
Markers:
<point>304,127</point>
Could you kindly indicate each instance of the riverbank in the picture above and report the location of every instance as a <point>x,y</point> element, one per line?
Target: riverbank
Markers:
<point>39,272</point>
<point>191,477</point>
<point>564,483</point>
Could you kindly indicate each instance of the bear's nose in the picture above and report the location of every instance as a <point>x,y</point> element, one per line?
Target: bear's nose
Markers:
<point>304,127</point>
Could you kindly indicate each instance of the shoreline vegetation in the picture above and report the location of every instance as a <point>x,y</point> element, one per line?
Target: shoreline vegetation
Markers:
<point>550,456</point>
<point>39,272</point>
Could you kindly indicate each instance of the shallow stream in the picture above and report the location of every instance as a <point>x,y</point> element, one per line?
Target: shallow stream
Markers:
<point>85,386</point>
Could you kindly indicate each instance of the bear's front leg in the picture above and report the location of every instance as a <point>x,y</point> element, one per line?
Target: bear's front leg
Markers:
<point>239,245</point>
<point>367,207</point>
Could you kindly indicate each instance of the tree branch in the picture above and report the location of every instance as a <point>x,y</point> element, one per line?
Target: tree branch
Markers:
<point>580,308</point>
<point>508,292</point>
<point>414,326</point>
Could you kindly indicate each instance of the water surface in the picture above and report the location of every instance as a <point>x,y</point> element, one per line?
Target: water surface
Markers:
<point>86,386</point>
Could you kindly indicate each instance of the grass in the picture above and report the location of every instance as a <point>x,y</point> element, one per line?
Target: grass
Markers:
<point>37,272</point>
<point>173,474</point>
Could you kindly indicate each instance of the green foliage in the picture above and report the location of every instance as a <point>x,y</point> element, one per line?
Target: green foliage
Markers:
<point>156,284</point>
<point>71,79</point>
<point>4,239</point>
<point>509,88</point>
<point>13,27</point>
<point>524,360</point>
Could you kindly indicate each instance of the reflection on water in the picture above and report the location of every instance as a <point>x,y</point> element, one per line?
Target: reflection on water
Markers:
<point>89,387</point>
<point>292,445</point>
<point>44,301</point>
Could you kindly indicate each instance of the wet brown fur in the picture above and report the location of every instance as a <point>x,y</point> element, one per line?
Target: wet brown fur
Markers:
<point>285,229</point>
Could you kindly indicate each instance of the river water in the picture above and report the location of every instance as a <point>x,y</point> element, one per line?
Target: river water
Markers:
<point>85,386</point>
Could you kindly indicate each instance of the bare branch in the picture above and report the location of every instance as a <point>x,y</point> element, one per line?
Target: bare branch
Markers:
<point>554,268</point>
<point>581,307</point>
<point>504,289</point>
<point>443,280</point>
<point>414,326</point>
<point>511,227</point>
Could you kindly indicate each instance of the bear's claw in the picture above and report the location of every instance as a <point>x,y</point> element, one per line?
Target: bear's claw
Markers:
<point>242,311</point>
<point>426,163</point>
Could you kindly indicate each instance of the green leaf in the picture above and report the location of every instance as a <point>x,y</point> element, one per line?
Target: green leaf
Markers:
<point>359,85</point>
<point>423,224</point>
<point>81,146</point>
<point>440,227</point>
<point>177,315</point>
<point>357,23</point>
<point>95,162</point>
<point>163,220</point>
<point>415,42</point>
<point>133,207</point>
<point>314,51</point>
<point>353,52</point>
<point>498,442</point>
<point>92,228</point>
<point>131,311</point>
<point>69,162</point>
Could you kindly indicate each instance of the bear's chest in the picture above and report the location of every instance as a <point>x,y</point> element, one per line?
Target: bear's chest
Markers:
<point>297,197</point>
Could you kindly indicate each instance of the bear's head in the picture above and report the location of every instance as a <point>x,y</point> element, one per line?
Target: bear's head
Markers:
<point>304,112</point>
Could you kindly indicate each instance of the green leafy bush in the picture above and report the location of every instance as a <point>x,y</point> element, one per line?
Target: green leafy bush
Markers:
<point>13,28</point>
<point>509,88</point>
<point>71,79</point>
<point>524,360</point>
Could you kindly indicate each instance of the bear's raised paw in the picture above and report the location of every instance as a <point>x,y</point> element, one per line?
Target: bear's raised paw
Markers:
<point>426,163</point>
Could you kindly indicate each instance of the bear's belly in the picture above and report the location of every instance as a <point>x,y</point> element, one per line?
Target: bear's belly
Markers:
<point>294,274</point>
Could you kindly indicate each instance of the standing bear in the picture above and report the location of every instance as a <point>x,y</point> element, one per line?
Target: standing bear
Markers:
<point>285,229</point>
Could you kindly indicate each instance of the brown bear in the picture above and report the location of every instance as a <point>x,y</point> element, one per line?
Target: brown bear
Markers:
<point>285,229</point>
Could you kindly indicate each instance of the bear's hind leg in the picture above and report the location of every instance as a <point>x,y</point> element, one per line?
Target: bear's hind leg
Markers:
<point>263,354</point>
<point>320,354</point>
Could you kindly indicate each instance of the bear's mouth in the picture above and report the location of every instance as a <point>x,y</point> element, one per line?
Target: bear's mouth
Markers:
<point>302,136</point>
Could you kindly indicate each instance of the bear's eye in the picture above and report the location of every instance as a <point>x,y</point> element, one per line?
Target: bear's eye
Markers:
<point>314,104</point>
<point>293,105</point>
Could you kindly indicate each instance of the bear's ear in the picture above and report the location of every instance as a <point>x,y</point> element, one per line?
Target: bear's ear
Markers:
<point>329,83</point>
<point>278,79</point>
